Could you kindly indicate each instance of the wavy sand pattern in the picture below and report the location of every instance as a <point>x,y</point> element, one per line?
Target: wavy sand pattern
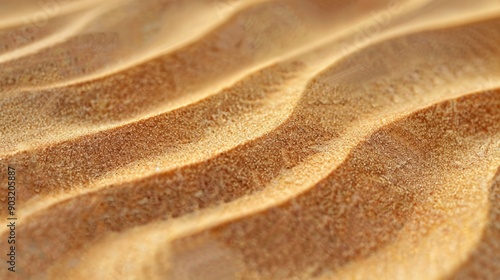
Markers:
<point>247,139</point>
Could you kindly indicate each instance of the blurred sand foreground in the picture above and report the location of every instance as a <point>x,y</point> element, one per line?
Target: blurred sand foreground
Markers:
<point>157,139</point>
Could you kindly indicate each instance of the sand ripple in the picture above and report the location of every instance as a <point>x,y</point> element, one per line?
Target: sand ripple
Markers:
<point>253,139</point>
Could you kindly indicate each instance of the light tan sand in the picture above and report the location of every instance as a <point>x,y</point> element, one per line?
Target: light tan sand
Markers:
<point>247,139</point>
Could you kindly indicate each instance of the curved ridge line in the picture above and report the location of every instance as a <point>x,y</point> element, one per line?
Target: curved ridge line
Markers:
<point>13,22</point>
<point>99,75</point>
<point>97,186</point>
<point>145,118</point>
<point>291,54</point>
<point>56,37</point>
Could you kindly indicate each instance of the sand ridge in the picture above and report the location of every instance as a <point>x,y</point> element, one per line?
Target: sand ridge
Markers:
<point>265,140</point>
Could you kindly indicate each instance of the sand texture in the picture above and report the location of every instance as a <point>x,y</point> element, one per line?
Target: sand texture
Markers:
<point>251,139</point>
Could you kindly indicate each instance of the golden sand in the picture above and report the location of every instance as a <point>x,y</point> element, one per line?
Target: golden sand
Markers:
<point>250,139</point>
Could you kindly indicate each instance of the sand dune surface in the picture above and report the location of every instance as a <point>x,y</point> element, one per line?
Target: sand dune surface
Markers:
<point>251,139</point>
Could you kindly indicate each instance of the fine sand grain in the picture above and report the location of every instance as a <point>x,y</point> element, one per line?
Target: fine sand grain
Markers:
<point>251,139</point>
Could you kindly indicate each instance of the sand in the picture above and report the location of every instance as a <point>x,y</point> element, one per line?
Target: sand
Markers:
<point>250,139</point>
